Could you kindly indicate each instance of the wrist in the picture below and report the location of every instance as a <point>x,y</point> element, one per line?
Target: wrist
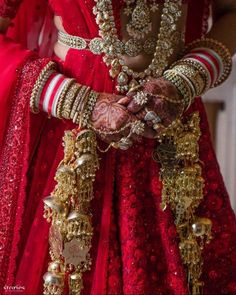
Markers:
<point>207,63</point>
<point>62,97</point>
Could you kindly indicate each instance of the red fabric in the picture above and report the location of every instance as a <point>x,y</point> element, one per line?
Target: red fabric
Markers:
<point>212,58</point>
<point>135,245</point>
<point>14,160</point>
<point>8,8</point>
<point>206,63</point>
<point>45,88</point>
<point>8,73</point>
<point>53,94</point>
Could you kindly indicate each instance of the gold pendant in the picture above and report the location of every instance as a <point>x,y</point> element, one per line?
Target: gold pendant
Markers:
<point>140,23</point>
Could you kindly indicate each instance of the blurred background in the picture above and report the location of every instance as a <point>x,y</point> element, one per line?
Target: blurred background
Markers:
<point>221,110</point>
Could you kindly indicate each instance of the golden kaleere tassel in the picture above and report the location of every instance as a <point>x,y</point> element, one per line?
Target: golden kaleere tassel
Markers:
<point>178,153</point>
<point>68,210</point>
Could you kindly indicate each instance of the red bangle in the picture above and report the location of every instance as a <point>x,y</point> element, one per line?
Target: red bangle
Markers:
<point>45,88</point>
<point>52,97</point>
<point>206,64</point>
<point>210,56</point>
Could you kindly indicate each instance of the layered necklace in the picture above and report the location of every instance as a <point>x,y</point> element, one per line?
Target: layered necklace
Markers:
<point>138,27</point>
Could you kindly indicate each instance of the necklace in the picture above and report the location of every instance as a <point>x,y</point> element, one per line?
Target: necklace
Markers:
<point>112,46</point>
<point>140,23</point>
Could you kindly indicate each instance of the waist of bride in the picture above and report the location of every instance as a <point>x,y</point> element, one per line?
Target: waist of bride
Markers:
<point>98,46</point>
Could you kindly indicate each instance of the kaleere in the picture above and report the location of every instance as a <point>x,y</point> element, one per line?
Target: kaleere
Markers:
<point>68,210</point>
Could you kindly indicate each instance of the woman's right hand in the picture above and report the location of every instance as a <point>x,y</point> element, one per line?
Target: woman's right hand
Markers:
<point>111,115</point>
<point>108,116</point>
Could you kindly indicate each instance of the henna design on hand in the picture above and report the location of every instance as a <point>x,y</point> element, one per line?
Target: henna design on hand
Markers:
<point>108,115</point>
<point>157,89</point>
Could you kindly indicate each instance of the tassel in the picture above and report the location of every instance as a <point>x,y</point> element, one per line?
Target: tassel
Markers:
<point>68,210</point>
<point>178,154</point>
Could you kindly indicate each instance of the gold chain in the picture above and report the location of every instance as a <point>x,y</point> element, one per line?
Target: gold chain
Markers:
<point>112,45</point>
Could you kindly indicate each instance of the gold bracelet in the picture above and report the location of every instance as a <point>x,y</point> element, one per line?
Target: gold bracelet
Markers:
<point>69,100</point>
<point>194,76</point>
<point>80,108</point>
<point>79,100</point>
<point>180,84</point>
<point>205,76</point>
<point>44,75</point>
<point>92,98</point>
<point>62,97</point>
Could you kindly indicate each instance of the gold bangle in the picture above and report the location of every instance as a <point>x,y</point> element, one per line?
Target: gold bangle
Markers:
<point>69,100</point>
<point>62,97</point>
<point>44,75</point>
<point>180,84</point>
<point>220,49</point>
<point>78,103</point>
<point>204,75</point>
<point>194,76</point>
<point>92,98</point>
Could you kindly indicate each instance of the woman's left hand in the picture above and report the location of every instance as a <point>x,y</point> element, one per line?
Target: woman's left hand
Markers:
<point>157,112</point>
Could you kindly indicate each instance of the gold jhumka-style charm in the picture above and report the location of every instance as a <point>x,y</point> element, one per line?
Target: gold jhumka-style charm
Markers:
<point>68,210</point>
<point>178,153</point>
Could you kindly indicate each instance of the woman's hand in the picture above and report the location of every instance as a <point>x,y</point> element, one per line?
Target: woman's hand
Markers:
<point>109,116</point>
<point>155,91</point>
<point>155,88</point>
<point>166,112</point>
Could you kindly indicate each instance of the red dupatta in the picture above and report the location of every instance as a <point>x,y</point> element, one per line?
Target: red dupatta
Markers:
<point>15,124</point>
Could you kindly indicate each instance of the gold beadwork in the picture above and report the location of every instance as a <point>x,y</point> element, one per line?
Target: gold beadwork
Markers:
<point>132,47</point>
<point>164,44</point>
<point>44,75</point>
<point>140,23</point>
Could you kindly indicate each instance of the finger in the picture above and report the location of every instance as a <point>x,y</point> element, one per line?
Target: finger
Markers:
<point>159,128</point>
<point>133,107</point>
<point>124,100</point>
<point>141,114</point>
<point>149,132</point>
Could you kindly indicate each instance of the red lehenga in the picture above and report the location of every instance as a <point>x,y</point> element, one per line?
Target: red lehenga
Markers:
<point>135,246</point>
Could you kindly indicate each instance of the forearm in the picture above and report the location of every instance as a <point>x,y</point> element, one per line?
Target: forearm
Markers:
<point>58,95</point>
<point>207,62</point>
<point>223,29</point>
